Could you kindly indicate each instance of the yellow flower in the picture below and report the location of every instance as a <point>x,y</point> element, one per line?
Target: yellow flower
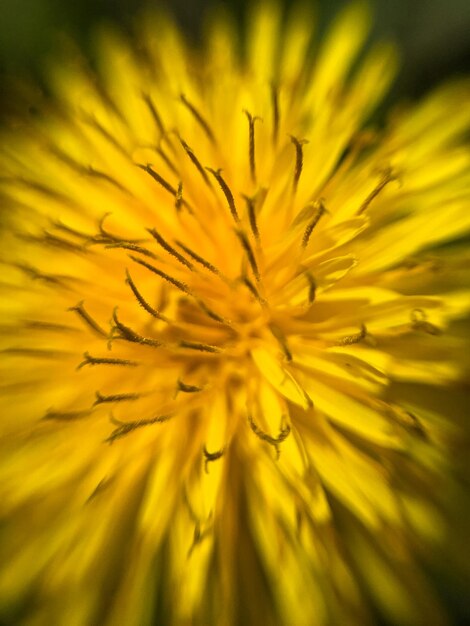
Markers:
<point>232,336</point>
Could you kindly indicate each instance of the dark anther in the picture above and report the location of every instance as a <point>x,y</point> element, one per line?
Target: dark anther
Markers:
<point>352,339</point>
<point>178,284</point>
<point>386,178</point>
<point>66,416</point>
<point>251,206</point>
<point>179,196</point>
<point>273,441</point>
<point>166,246</point>
<point>181,386</point>
<point>226,191</point>
<point>419,322</point>
<point>108,238</point>
<point>201,347</point>
<point>86,317</point>
<point>249,285</point>
<point>128,334</point>
<point>197,258</point>
<point>140,298</point>
<point>198,117</point>
<point>119,397</point>
<point>156,116</point>
<point>90,360</point>
<point>190,152</point>
<point>299,160</point>
<point>320,210</point>
<point>209,457</point>
<point>156,177</point>
<point>312,287</point>
<point>251,146</point>
<point>124,428</point>
<point>275,107</point>
<point>210,313</point>
<point>279,335</point>
<point>133,247</point>
<point>249,253</point>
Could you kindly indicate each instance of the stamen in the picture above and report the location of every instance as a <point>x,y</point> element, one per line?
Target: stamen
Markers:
<point>352,339</point>
<point>247,282</point>
<point>181,386</point>
<point>275,107</point>
<point>196,162</point>
<point>200,120</point>
<point>166,246</point>
<point>201,347</point>
<point>273,441</point>
<point>249,253</point>
<point>419,322</point>
<point>387,177</point>
<point>408,420</point>
<point>59,242</point>
<point>39,353</point>
<point>141,300</point>
<point>210,312</point>
<point>120,397</point>
<point>179,197</point>
<point>84,170</point>
<point>89,119</point>
<point>156,177</point>
<point>320,210</point>
<point>66,158</point>
<point>43,189</point>
<point>129,335</point>
<point>226,191</point>
<point>279,335</point>
<point>86,317</point>
<point>109,237</point>
<point>68,229</point>
<point>304,214</point>
<point>312,287</point>
<point>210,457</point>
<point>134,247</point>
<point>101,486</point>
<point>91,171</point>
<point>91,360</point>
<point>299,160</point>
<point>46,326</point>
<point>35,274</point>
<point>179,285</point>
<point>124,428</point>
<point>156,116</point>
<point>198,537</point>
<point>198,259</point>
<point>251,140</point>
<point>251,206</point>
<point>166,159</point>
<point>66,416</point>
<point>190,511</point>
<point>415,425</point>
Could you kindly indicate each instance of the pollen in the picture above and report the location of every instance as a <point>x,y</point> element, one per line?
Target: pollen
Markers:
<point>233,332</point>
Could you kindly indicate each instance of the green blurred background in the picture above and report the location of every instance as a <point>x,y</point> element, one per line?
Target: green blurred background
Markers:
<point>433,34</point>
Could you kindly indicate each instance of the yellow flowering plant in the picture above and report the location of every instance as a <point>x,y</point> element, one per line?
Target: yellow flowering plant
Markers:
<point>233,333</point>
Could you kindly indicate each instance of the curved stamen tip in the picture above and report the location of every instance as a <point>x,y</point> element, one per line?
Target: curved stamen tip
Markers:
<point>299,159</point>
<point>251,140</point>
<point>419,321</point>
<point>210,457</point>
<point>273,441</point>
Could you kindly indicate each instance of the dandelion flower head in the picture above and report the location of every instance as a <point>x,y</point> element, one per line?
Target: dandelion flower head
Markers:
<point>233,336</point>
